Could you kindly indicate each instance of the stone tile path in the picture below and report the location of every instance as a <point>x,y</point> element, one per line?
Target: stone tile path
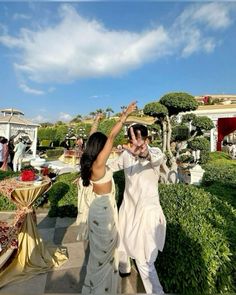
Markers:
<point>69,278</point>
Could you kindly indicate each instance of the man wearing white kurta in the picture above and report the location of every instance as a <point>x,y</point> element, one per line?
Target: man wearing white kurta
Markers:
<point>142,223</point>
<point>19,154</point>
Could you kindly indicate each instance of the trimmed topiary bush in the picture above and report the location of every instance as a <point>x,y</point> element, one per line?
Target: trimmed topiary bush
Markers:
<point>45,142</point>
<point>63,196</point>
<point>119,178</point>
<point>196,257</point>
<point>224,174</point>
<point>5,204</point>
<point>55,152</point>
<point>202,144</point>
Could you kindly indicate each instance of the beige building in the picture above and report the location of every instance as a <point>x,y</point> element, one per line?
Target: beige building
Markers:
<point>225,99</point>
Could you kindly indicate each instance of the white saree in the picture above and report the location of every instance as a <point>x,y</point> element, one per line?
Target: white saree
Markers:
<point>98,221</point>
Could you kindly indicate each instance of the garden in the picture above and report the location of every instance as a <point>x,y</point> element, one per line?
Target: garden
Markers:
<point>200,251</point>
<point>199,256</point>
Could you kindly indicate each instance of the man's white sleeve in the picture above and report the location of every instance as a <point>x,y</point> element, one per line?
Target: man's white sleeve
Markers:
<point>117,164</point>
<point>156,156</point>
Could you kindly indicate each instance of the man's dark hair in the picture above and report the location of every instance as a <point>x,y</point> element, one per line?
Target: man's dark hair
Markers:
<point>143,130</point>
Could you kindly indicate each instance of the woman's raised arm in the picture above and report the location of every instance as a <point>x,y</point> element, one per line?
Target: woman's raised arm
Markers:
<point>104,154</point>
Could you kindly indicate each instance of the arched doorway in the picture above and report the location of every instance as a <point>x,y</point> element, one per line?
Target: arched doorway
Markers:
<point>225,127</point>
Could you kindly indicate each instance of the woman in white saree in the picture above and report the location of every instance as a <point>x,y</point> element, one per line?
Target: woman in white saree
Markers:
<point>102,269</point>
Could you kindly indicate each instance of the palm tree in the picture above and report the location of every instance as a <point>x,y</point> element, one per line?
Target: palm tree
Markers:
<point>93,114</point>
<point>109,110</point>
<point>100,111</point>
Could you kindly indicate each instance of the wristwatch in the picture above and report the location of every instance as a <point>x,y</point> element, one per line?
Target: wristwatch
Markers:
<point>147,157</point>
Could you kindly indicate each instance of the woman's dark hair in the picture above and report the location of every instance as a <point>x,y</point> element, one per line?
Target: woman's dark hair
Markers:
<point>94,146</point>
<point>141,128</point>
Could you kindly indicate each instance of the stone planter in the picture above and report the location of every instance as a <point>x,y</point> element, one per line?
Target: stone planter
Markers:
<point>196,174</point>
<point>190,174</point>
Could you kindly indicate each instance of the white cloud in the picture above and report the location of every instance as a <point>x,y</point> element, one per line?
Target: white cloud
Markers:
<point>215,15</point>
<point>99,96</point>
<point>77,47</point>
<point>40,119</point>
<point>65,117</point>
<point>191,31</point>
<point>30,90</point>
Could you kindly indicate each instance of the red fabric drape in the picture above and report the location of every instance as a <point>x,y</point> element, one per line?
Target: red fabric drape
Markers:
<point>225,127</point>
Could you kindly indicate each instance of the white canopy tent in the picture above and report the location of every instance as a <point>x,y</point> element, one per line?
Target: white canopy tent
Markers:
<point>14,125</point>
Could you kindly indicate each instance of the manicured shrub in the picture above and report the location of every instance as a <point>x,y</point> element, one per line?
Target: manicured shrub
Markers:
<point>219,173</point>
<point>7,174</point>
<point>5,203</point>
<point>45,142</point>
<point>199,143</point>
<point>119,179</point>
<point>63,196</point>
<point>55,152</point>
<point>196,257</point>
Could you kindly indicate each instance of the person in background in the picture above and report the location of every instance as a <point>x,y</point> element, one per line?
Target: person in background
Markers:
<point>142,224</point>
<point>79,143</point>
<point>1,151</point>
<point>102,270</point>
<point>5,154</point>
<point>19,151</point>
<point>11,152</point>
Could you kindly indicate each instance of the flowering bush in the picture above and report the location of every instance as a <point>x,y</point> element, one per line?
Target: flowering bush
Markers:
<point>45,171</point>
<point>27,175</point>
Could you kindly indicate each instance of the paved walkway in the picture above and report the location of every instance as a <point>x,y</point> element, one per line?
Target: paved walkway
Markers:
<point>68,278</point>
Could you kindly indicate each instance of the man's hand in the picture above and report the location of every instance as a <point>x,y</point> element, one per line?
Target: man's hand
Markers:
<point>139,146</point>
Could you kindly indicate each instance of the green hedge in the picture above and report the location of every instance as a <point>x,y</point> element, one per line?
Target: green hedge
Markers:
<point>196,257</point>
<point>200,239</point>
<point>45,142</point>
<point>55,152</point>
<point>199,254</point>
<point>222,173</point>
<point>5,204</point>
<point>63,196</point>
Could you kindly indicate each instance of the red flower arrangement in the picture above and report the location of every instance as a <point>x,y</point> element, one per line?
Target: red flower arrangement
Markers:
<point>27,175</point>
<point>45,171</point>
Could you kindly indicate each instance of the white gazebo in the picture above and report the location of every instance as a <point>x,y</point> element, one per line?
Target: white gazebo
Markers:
<point>14,125</point>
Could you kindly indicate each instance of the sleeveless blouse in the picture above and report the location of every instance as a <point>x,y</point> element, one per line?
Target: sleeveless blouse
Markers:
<point>106,177</point>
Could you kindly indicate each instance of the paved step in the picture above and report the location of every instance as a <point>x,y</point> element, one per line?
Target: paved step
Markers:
<point>69,278</point>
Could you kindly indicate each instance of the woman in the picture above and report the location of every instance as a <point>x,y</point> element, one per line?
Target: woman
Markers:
<point>5,154</point>
<point>102,269</point>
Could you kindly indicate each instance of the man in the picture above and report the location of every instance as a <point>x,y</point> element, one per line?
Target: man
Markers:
<point>19,154</point>
<point>142,223</point>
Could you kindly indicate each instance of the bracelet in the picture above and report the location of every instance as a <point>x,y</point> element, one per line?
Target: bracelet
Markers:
<point>147,157</point>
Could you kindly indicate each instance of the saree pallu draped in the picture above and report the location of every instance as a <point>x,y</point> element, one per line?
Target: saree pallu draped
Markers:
<point>102,269</point>
<point>33,256</point>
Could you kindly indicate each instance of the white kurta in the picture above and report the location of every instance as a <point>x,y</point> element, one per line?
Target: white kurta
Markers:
<point>142,224</point>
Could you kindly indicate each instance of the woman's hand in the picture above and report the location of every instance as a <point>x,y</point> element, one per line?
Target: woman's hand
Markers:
<point>131,108</point>
<point>99,116</point>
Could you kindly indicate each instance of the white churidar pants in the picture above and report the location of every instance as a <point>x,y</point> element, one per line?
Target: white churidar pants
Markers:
<point>147,272</point>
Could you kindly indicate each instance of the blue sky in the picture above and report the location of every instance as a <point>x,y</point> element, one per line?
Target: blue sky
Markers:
<point>60,59</point>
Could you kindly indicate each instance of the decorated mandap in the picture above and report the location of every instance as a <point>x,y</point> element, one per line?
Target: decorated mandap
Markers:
<point>14,125</point>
